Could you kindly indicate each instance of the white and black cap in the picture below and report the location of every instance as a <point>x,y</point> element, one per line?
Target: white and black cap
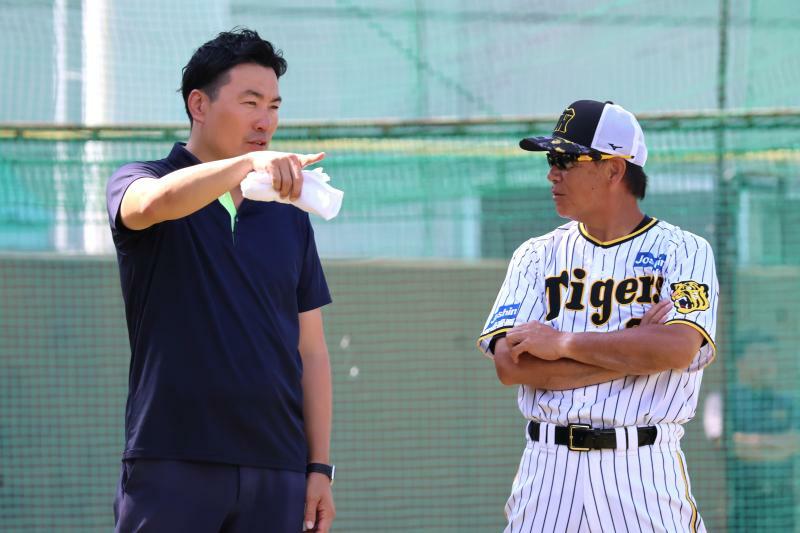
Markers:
<point>589,126</point>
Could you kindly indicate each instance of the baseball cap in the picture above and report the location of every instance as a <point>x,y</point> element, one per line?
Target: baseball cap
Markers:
<point>589,126</point>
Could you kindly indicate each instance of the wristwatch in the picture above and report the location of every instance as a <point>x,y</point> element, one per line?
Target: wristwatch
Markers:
<point>322,468</point>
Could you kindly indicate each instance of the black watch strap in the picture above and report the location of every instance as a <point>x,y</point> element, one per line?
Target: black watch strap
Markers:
<point>321,468</point>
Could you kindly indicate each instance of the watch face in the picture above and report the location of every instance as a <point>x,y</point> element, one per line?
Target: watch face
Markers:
<point>333,472</point>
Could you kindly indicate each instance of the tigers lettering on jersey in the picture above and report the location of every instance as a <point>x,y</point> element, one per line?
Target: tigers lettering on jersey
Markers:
<point>602,294</point>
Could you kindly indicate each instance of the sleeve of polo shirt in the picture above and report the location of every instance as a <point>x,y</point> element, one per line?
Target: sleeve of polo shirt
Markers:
<point>115,190</point>
<point>312,291</point>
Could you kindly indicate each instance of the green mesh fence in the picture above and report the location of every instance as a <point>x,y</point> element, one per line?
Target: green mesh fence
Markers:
<point>119,61</point>
<point>425,437</point>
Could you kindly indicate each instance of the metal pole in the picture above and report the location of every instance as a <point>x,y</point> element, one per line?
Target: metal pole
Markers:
<point>61,237</point>
<point>419,33</point>
<point>97,78</point>
<point>725,236</point>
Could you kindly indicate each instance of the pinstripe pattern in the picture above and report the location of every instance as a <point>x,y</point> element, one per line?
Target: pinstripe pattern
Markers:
<point>574,283</point>
<point>670,396</point>
<point>640,490</point>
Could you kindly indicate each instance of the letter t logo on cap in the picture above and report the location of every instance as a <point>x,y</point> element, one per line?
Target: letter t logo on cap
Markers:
<point>566,116</point>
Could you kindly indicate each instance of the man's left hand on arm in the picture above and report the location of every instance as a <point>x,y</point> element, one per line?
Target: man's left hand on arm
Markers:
<point>537,339</point>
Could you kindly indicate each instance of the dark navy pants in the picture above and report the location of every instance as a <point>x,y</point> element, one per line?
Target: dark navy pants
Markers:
<point>176,496</point>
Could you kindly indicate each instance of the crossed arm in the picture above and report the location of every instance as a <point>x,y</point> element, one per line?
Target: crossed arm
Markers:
<point>537,355</point>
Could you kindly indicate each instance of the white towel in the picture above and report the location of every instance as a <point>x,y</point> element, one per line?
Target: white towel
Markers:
<point>317,196</point>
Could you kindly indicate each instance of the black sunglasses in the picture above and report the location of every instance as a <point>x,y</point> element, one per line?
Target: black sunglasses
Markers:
<point>567,161</point>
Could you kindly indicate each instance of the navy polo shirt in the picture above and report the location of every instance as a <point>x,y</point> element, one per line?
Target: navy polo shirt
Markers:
<point>212,309</point>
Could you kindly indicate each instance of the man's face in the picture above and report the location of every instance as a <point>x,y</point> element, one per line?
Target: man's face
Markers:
<point>576,189</point>
<point>244,115</point>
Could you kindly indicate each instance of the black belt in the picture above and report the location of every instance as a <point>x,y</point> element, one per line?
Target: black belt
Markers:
<point>582,438</point>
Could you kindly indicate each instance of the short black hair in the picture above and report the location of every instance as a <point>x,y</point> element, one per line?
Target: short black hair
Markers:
<point>207,70</point>
<point>635,179</point>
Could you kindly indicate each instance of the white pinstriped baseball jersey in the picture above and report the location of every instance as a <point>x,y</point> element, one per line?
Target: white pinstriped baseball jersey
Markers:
<point>573,282</point>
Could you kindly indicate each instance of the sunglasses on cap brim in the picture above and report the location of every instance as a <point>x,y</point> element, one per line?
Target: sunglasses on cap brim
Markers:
<point>565,161</point>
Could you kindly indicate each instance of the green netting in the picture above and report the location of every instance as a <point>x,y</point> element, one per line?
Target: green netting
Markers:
<point>118,61</point>
<point>425,438</point>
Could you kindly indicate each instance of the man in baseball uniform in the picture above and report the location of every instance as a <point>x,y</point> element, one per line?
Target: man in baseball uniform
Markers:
<point>606,324</point>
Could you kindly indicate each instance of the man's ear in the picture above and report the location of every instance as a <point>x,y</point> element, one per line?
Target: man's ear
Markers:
<point>615,170</point>
<point>198,105</point>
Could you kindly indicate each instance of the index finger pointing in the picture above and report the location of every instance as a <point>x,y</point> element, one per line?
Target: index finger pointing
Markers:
<point>310,159</point>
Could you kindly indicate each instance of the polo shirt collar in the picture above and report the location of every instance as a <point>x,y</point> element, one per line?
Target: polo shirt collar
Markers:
<point>181,157</point>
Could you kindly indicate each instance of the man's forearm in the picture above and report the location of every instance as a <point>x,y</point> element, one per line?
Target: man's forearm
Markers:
<point>636,351</point>
<point>549,375</point>
<point>317,389</point>
<point>181,193</point>
<point>317,407</point>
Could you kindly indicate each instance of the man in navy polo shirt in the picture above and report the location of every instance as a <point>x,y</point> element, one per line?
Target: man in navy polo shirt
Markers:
<point>228,419</point>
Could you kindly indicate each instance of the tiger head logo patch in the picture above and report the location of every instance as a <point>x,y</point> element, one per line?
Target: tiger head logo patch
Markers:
<point>689,296</point>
